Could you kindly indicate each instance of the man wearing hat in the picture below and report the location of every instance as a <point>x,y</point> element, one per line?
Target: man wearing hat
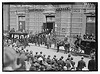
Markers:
<point>36,54</point>
<point>61,62</point>
<point>40,55</point>
<point>48,59</point>
<point>54,58</point>
<point>66,45</point>
<point>44,57</point>
<point>68,64</point>
<point>92,64</point>
<point>48,41</point>
<point>69,57</point>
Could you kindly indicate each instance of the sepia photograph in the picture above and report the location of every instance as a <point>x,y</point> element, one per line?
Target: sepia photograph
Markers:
<point>49,36</point>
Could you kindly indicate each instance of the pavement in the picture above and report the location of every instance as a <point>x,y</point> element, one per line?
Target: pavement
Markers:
<point>53,51</point>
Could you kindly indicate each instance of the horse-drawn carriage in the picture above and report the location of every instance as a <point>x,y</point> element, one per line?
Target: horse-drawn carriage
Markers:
<point>17,37</point>
<point>88,46</point>
<point>84,45</point>
<point>79,46</point>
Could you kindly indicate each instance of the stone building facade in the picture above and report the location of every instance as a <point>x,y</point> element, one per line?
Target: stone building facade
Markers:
<point>64,19</point>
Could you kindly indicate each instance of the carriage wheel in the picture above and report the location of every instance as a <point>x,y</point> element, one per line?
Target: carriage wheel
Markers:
<point>75,50</point>
<point>80,49</point>
<point>72,49</point>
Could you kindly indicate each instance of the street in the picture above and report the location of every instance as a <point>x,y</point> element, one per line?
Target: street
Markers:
<point>53,52</point>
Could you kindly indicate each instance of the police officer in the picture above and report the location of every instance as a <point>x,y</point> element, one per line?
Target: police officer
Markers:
<point>45,39</point>
<point>78,43</point>
<point>48,41</point>
<point>58,45</point>
<point>36,39</point>
<point>66,45</point>
<point>39,40</point>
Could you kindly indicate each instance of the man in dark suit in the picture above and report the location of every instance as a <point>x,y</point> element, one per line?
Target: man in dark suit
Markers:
<point>39,40</point>
<point>36,39</point>
<point>36,55</point>
<point>48,59</point>
<point>59,43</point>
<point>54,60</point>
<point>92,64</point>
<point>69,57</point>
<point>48,41</point>
<point>40,55</point>
<point>81,64</point>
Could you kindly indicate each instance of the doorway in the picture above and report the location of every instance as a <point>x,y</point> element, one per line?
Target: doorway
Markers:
<point>49,26</point>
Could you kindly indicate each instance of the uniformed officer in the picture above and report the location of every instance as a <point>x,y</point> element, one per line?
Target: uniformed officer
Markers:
<point>58,46</point>
<point>36,39</point>
<point>66,45</point>
<point>45,39</point>
<point>59,43</point>
<point>48,41</point>
<point>39,40</point>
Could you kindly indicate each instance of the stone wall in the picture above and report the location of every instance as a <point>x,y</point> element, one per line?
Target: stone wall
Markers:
<point>5,19</point>
<point>69,22</point>
<point>36,20</point>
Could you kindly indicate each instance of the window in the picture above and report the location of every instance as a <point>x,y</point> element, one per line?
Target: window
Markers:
<point>90,25</point>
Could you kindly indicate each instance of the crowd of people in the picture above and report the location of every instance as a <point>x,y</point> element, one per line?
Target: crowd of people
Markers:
<point>49,38</point>
<point>43,39</point>
<point>27,61</point>
<point>89,36</point>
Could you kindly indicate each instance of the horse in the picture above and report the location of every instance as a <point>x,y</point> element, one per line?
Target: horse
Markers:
<point>65,44</point>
